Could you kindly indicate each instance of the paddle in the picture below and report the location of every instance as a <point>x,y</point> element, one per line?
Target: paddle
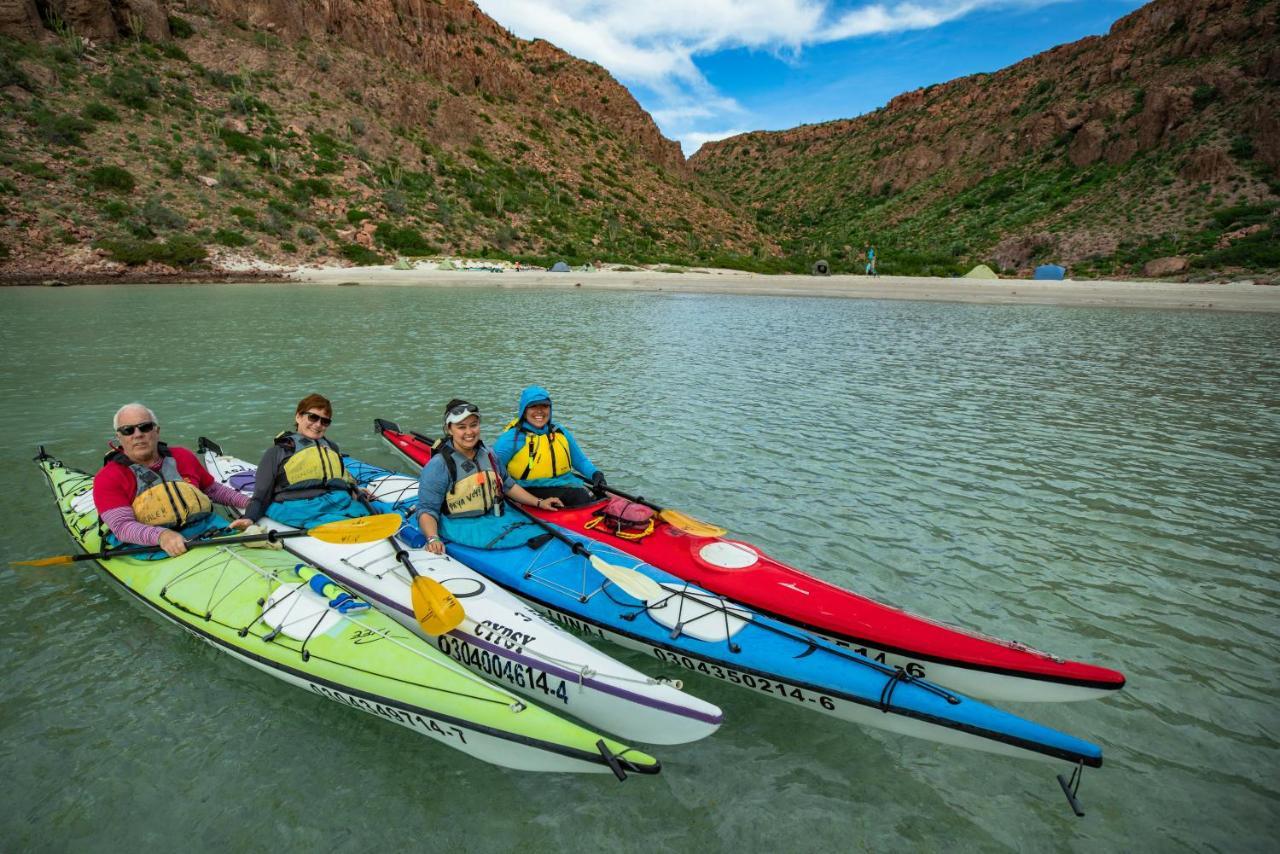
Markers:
<point>674,518</point>
<point>634,584</point>
<point>365,529</point>
<point>434,607</point>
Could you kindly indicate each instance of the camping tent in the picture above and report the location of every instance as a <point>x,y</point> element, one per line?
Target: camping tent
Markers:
<point>982,271</point>
<point>1049,271</point>
<point>560,267</point>
<point>446,265</point>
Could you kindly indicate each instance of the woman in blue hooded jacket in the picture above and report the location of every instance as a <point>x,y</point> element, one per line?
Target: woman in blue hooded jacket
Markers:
<point>542,455</point>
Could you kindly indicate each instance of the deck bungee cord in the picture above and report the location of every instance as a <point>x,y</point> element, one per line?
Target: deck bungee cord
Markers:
<point>208,565</point>
<point>265,610</point>
<point>399,566</point>
<point>498,637</point>
<point>716,604</point>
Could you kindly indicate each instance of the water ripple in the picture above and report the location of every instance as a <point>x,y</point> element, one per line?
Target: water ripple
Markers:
<point>1100,484</point>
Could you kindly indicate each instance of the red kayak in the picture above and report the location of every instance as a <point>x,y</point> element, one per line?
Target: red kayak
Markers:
<point>968,662</point>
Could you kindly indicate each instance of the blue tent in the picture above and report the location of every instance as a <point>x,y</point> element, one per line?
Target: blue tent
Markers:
<point>562,267</point>
<point>1049,271</point>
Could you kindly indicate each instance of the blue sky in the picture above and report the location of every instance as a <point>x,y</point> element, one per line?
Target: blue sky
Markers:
<point>706,69</point>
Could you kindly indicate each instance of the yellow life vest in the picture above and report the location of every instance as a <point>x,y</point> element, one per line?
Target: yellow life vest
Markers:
<point>541,456</point>
<point>163,498</point>
<point>475,494</point>
<point>312,464</point>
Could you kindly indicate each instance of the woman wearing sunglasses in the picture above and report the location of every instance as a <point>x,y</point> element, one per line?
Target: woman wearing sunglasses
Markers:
<point>462,487</point>
<point>301,480</point>
<point>148,493</point>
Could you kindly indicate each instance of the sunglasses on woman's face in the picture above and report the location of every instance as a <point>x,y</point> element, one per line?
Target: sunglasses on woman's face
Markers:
<point>144,427</point>
<point>318,419</point>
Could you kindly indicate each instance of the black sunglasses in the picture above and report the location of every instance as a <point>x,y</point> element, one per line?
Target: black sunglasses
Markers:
<point>462,409</point>
<point>144,427</point>
<point>318,419</point>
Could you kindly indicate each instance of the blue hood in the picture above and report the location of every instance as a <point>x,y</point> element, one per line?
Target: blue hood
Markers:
<point>534,394</point>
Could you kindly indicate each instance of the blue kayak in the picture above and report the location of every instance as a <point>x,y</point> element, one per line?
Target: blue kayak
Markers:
<point>684,625</point>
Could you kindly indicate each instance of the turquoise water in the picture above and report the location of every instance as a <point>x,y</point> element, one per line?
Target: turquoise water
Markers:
<point>1098,483</point>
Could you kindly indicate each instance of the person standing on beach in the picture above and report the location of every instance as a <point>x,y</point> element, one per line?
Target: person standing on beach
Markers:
<point>871,260</point>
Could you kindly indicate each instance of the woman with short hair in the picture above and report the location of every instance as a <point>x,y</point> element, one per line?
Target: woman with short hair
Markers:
<point>301,480</point>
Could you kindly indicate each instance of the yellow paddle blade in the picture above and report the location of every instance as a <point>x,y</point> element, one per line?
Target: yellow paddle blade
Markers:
<point>365,529</point>
<point>434,607</point>
<point>44,561</point>
<point>634,584</point>
<point>690,525</point>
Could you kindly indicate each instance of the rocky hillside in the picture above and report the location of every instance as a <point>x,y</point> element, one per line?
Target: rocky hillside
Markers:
<point>1156,147</point>
<point>160,132</point>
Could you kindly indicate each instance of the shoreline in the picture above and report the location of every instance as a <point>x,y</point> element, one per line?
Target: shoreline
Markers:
<point>1238,296</point>
<point>1241,296</point>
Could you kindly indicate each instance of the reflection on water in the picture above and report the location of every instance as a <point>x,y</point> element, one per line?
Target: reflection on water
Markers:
<point>1096,483</point>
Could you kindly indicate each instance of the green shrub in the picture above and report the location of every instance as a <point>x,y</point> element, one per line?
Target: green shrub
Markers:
<point>230,237</point>
<point>406,241</point>
<point>114,178</point>
<point>238,142</point>
<point>326,167</point>
<point>1258,251</point>
<point>139,228</point>
<point>36,169</point>
<point>1242,147</point>
<point>324,145</point>
<point>275,222</point>
<point>60,128</point>
<point>304,189</point>
<point>132,88</point>
<point>246,104</point>
<point>395,202</point>
<point>204,157</point>
<point>355,216</point>
<point>11,74</point>
<point>158,215</point>
<point>1203,96</point>
<point>172,51</point>
<point>181,250</point>
<point>115,210</point>
<point>7,187</point>
<point>1238,216</point>
<point>99,112</point>
<point>307,234</point>
<point>180,28</point>
<point>221,79</point>
<point>358,254</point>
<point>283,208</point>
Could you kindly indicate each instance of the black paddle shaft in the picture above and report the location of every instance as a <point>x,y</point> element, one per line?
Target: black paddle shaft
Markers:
<point>269,536</point>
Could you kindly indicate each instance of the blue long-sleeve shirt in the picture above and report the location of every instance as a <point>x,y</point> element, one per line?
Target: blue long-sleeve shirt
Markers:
<point>513,439</point>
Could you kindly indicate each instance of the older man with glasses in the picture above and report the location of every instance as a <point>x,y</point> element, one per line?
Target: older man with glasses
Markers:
<point>154,495</point>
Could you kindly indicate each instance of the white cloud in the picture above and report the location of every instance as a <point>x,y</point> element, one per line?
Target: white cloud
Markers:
<point>693,140</point>
<point>653,43</point>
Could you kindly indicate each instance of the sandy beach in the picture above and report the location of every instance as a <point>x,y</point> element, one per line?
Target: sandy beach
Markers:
<point>1233,296</point>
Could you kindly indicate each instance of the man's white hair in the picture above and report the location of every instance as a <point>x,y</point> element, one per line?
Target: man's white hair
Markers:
<point>115,422</point>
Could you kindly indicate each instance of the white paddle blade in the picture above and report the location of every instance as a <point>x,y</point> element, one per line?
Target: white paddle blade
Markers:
<point>633,583</point>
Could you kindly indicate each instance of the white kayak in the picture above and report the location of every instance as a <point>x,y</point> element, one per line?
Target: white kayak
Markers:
<point>501,638</point>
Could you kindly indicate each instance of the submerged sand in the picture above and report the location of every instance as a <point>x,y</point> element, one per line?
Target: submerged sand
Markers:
<point>1232,296</point>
